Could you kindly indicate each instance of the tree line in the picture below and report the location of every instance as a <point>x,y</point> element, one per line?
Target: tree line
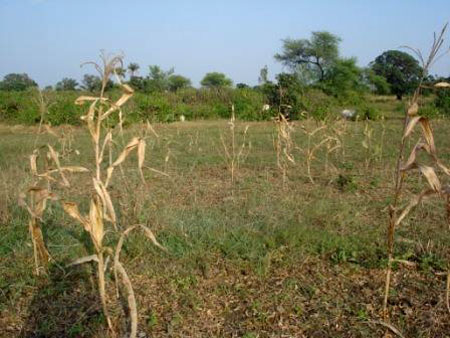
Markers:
<point>311,63</point>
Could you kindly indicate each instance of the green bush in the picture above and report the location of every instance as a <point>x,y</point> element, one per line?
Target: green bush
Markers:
<point>318,105</point>
<point>248,105</point>
<point>442,101</point>
<point>431,111</point>
<point>204,103</point>
<point>369,113</point>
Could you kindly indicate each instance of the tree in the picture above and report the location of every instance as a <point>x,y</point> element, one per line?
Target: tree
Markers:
<point>344,76</point>
<point>66,84</point>
<point>93,83</point>
<point>17,82</point>
<point>158,80</point>
<point>176,82</point>
<point>284,96</point>
<point>121,72</point>
<point>263,75</point>
<point>133,67</point>
<point>401,70</point>
<point>216,80</point>
<point>241,85</point>
<point>137,82</point>
<point>375,83</point>
<point>314,56</point>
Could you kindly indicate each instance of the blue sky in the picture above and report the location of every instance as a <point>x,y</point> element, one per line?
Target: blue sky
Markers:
<point>49,39</point>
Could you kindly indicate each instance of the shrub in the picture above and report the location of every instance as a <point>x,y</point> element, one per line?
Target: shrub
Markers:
<point>318,105</point>
<point>430,111</point>
<point>368,113</point>
<point>442,102</point>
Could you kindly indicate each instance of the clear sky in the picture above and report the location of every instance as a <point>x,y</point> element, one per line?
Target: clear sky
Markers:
<point>48,39</point>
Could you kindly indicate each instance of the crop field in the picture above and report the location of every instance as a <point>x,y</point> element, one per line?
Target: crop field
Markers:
<point>269,229</point>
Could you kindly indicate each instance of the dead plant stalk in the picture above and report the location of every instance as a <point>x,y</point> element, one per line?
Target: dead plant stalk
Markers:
<point>101,210</point>
<point>410,121</point>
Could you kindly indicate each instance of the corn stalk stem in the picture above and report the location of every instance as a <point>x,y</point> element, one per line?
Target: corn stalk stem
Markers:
<point>102,289</point>
<point>399,178</point>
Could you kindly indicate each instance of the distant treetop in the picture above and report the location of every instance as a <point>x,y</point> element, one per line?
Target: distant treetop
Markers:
<point>17,82</point>
<point>216,80</point>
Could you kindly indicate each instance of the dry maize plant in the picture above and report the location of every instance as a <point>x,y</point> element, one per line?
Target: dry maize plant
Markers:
<point>42,103</point>
<point>367,143</point>
<point>330,142</point>
<point>424,144</point>
<point>36,205</point>
<point>284,145</point>
<point>101,216</point>
<point>65,137</point>
<point>235,154</point>
<point>337,131</point>
<point>373,145</point>
<point>43,170</point>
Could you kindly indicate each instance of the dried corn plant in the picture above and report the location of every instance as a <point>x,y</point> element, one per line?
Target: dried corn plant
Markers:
<point>36,205</point>
<point>329,142</point>
<point>367,143</point>
<point>235,153</point>
<point>43,102</point>
<point>46,170</point>
<point>425,144</point>
<point>284,145</point>
<point>337,130</point>
<point>373,145</point>
<point>65,136</point>
<point>101,216</point>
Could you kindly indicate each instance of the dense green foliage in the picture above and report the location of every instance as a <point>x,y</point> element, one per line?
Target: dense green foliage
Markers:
<point>287,95</point>
<point>93,83</point>
<point>17,82</point>
<point>314,57</point>
<point>66,84</point>
<point>400,69</point>
<point>215,80</point>
<point>176,82</point>
<point>320,84</point>
<point>442,101</point>
<point>22,107</point>
<point>343,77</point>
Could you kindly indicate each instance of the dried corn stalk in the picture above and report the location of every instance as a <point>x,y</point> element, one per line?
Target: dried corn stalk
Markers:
<point>284,145</point>
<point>424,144</point>
<point>331,143</point>
<point>235,154</point>
<point>101,214</point>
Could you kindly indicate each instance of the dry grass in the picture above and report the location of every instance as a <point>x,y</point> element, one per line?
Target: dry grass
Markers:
<point>298,259</point>
<point>284,146</point>
<point>235,154</point>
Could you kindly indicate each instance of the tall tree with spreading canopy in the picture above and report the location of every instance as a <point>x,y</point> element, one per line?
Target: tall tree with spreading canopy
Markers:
<point>216,80</point>
<point>401,70</point>
<point>314,56</point>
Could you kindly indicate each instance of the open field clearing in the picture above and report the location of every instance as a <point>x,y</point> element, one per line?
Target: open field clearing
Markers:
<point>294,249</point>
<point>239,169</point>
